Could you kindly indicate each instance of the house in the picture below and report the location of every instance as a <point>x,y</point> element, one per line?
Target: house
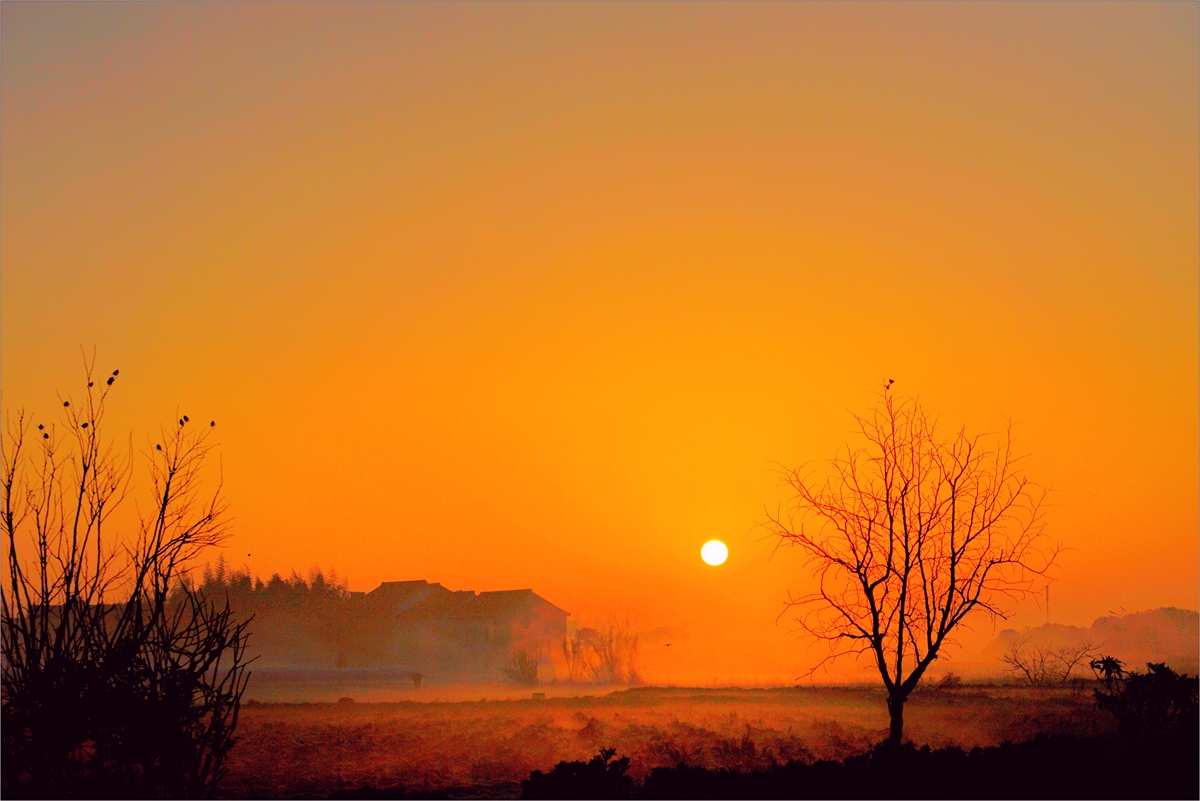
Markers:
<point>462,635</point>
<point>415,627</point>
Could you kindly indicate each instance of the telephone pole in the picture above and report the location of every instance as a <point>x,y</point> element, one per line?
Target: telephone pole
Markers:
<point>1047,604</point>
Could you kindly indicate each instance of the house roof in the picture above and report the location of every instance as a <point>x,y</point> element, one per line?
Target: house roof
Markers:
<point>400,597</point>
<point>435,605</point>
<point>398,590</point>
<point>499,603</point>
<point>420,600</point>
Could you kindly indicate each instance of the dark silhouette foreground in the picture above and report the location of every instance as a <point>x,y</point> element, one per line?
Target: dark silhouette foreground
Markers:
<point>1048,767</point>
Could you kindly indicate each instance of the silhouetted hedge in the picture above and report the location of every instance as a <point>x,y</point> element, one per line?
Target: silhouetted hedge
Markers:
<point>1047,767</point>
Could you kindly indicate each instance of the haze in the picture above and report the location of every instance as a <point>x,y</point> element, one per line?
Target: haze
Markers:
<point>543,296</point>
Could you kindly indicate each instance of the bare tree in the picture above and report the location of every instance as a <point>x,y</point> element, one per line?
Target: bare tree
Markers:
<point>1069,657</point>
<point>523,666</point>
<point>906,536</point>
<point>1043,665</point>
<point>616,654</point>
<point>607,655</point>
<point>579,656</point>
<point>1034,665</point>
<point>118,678</point>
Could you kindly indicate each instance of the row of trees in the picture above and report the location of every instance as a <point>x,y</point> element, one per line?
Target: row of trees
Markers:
<point>251,595</point>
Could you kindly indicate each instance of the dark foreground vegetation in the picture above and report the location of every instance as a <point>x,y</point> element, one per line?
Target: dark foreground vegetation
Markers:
<point>1047,767</point>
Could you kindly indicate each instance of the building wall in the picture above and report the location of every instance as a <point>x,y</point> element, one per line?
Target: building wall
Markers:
<point>444,650</point>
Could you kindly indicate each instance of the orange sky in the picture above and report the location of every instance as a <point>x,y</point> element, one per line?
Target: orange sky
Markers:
<point>540,295</point>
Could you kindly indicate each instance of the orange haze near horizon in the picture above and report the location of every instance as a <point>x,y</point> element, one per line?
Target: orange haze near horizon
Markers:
<point>538,295</point>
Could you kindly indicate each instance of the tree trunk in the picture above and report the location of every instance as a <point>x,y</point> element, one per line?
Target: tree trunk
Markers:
<point>896,710</point>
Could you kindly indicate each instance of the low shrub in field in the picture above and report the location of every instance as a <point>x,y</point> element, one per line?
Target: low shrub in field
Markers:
<point>602,776</point>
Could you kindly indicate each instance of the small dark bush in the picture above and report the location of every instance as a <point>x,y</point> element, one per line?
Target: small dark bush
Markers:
<point>600,777</point>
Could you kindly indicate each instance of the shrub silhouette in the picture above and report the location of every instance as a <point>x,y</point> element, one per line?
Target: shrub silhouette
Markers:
<point>1150,708</point>
<point>600,777</point>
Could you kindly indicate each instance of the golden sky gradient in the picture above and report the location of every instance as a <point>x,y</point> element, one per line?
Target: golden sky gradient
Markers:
<point>529,295</point>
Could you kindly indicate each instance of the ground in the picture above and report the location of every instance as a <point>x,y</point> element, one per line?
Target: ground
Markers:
<point>486,747</point>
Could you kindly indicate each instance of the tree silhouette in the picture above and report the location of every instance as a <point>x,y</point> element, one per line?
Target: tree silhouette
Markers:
<point>906,536</point>
<point>118,679</point>
<point>522,666</point>
<point>1155,708</point>
<point>607,655</point>
<point>1042,665</point>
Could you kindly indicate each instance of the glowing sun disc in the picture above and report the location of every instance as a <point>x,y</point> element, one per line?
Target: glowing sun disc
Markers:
<point>714,553</point>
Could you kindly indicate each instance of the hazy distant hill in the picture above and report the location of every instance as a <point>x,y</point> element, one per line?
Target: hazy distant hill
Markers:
<point>1158,635</point>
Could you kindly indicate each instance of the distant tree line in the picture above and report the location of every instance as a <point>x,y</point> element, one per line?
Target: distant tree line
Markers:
<point>312,621</point>
<point>252,595</point>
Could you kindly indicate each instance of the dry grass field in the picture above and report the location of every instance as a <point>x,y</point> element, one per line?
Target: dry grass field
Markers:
<point>485,748</point>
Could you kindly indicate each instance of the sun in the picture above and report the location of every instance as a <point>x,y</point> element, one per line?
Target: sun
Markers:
<point>714,553</point>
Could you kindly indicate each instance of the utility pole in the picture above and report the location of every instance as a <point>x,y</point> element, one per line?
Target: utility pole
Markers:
<point>1047,604</point>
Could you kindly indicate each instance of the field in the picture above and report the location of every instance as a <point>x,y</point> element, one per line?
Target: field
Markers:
<point>484,748</point>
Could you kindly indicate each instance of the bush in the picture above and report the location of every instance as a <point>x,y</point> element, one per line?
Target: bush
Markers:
<point>1151,708</point>
<point>522,667</point>
<point>600,777</point>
